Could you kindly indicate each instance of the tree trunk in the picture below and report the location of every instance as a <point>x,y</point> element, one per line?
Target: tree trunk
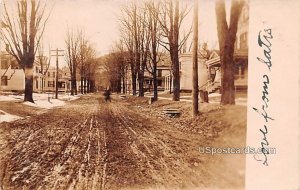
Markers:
<point>84,85</point>
<point>155,94</point>
<point>28,83</point>
<point>227,37</point>
<point>73,86</point>
<point>227,73</point>
<point>195,62</point>
<point>43,84</point>
<point>81,84</point>
<point>123,86</point>
<point>74,81</point>
<point>71,79</point>
<point>133,78</point>
<point>176,77</point>
<point>93,86</point>
<point>141,83</point>
<point>119,86</point>
<point>87,85</point>
<point>174,49</point>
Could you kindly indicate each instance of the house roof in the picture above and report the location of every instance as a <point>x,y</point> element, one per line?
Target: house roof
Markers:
<point>215,60</point>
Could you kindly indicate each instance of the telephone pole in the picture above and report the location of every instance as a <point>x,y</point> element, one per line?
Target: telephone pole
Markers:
<point>56,77</point>
<point>195,62</point>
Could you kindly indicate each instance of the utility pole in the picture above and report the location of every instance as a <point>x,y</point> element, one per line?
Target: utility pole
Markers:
<point>56,77</point>
<point>195,62</point>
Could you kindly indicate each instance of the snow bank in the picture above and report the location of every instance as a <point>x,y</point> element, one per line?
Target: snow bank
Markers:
<point>68,97</point>
<point>11,98</point>
<point>6,98</point>
<point>46,104</point>
<point>38,97</point>
<point>6,117</point>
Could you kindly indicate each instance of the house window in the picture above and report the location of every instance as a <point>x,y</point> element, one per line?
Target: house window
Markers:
<point>48,74</point>
<point>61,85</point>
<point>37,84</point>
<point>159,82</point>
<point>50,83</point>
<point>4,81</point>
<point>53,74</point>
<point>239,71</point>
<point>243,71</point>
<point>159,73</point>
<point>4,64</point>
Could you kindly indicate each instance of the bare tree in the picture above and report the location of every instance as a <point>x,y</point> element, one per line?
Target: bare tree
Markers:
<point>128,41</point>
<point>122,55</point>
<point>90,70</point>
<point>171,18</point>
<point>43,62</point>
<point>87,62</point>
<point>72,42</point>
<point>113,70</point>
<point>23,33</point>
<point>135,27</point>
<point>155,35</point>
<point>144,41</point>
<point>83,48</point>
<point>227,37</point>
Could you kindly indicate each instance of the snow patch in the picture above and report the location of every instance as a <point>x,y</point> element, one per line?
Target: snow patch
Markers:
<point>214,95</point>
<point>6,117</point>
<point>68,97</point>
<point>45,103</point>
<point>10,98</point>
<point>37,97</point>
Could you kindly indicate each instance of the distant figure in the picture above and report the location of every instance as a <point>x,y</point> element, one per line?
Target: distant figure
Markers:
<point>106,95</point>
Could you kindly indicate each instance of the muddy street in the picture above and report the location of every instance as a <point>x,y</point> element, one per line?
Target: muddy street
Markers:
<point>90,144</point>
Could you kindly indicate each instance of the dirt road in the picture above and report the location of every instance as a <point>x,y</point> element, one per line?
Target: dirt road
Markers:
<point>89,144</point>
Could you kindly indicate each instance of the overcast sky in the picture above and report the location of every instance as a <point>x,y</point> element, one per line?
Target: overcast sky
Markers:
<point>99,20</point>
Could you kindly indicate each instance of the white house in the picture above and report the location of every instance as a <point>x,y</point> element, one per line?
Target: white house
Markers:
<point>186,71</point>
<point>12,76</point>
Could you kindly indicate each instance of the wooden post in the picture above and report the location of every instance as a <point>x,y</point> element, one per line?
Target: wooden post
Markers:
<point>56,77</point>
<point>195,62</point>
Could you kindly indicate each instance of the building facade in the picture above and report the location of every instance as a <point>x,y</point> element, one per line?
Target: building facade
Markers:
<point>240,56</point>
<point>12,75</point>
<point>44,76</point>
<point>163,71</point>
